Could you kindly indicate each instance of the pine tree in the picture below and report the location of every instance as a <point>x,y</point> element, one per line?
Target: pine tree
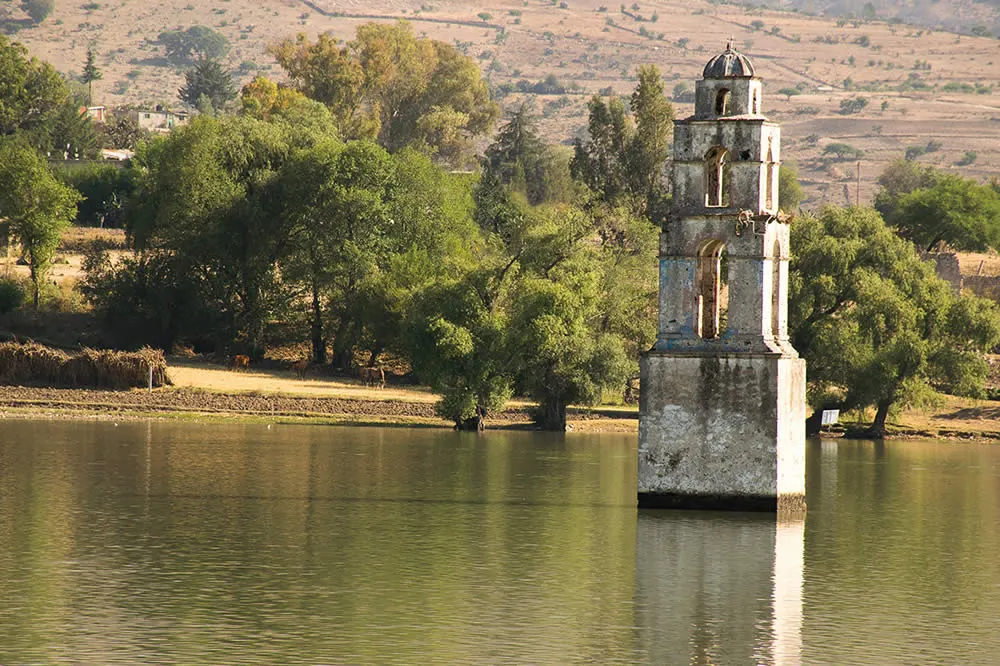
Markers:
<point>90,74</point>
<point>208,78</point>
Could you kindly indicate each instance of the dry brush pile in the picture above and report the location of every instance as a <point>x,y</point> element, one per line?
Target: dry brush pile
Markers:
<point>35,364</point>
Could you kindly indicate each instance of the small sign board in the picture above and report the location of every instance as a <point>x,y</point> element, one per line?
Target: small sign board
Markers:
<point>831,416</point>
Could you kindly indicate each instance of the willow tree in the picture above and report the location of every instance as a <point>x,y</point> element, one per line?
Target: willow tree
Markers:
<point>875,324</point>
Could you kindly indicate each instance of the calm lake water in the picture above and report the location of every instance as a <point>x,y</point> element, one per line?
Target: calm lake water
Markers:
<point>180,543</point>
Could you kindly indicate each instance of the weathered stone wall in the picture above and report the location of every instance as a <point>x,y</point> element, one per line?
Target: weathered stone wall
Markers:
<point>987,286</point>
<point>725,430</point>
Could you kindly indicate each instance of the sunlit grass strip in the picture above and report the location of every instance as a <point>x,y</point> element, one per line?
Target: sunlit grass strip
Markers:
<point>36,364</point>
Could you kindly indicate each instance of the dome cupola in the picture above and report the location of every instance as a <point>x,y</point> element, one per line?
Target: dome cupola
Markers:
<point>729,64</point>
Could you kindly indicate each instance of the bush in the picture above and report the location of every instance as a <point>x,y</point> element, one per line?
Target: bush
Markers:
<point>11,295</point>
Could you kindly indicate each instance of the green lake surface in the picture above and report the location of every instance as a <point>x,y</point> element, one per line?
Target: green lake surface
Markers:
<point>186,543</point>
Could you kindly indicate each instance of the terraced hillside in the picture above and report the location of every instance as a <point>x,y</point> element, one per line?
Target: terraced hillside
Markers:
<point>875,87</point>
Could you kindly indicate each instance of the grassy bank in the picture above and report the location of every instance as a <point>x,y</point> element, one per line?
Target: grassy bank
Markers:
<point>203,391</point>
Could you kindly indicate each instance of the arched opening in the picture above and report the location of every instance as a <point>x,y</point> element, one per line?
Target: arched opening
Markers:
<point>769,178</point>
<point>776,287</point>
<point>722,102</point>
<point>755,108</point>
<point>717,167</point>
<point>713,296</point>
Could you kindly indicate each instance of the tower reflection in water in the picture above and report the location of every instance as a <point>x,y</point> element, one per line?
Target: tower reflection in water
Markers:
<point>719,588</point>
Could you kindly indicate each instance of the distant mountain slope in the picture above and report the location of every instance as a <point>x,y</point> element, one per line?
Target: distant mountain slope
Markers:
<point>876,87</point>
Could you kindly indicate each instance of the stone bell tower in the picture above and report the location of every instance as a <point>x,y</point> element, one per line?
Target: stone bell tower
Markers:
<point>722,409</point>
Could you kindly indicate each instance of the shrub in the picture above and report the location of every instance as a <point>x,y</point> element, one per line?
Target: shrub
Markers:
<point>11,295</point>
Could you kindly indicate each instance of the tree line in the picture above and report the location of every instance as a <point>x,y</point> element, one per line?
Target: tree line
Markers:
<point>329,210</point>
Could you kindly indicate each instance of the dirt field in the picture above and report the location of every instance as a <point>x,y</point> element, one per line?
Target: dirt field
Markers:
<point>596,46</point>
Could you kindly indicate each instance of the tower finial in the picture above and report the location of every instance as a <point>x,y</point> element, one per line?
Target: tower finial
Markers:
<point>729,43</point>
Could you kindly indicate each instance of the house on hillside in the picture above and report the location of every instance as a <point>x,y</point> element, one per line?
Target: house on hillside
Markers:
<point>158,119</point>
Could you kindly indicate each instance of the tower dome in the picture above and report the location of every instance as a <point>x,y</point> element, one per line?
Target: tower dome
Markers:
<point>729,64</point>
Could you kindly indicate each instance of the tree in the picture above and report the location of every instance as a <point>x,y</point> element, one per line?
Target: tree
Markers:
<point>208,78</point>
<point>790,192</point>
<point>457,345</point>
<point>38,10</point>
<point>182,47</point>
<point>90,74</point>
<point>625,155</point>
<point>898,179</point>
<point>122,132</point>
<point>843,151</point>
<point>875,324</point>
<point>262,98</point>
<point>207,193</point>
<point>36,205</point>
<point>389,84</point>
<point>958,211</point>
<point>562,359</point>
<point>31,92</point>
<point>520,160</point>
<point>789,93</point>
<point>69,134</point>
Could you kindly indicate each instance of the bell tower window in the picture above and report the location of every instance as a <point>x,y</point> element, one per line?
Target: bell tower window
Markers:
<point>717,167</point>
<point>769,203</point>
<point>722,102</point>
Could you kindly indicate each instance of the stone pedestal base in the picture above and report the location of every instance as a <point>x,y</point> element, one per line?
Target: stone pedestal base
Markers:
<point>722,431</point>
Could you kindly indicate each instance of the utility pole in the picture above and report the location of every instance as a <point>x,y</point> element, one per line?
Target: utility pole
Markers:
<point>857,192</point>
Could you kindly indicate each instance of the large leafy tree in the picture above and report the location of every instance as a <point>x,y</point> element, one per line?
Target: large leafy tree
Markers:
<point>199,42</point>
<point>955,210</point>
<point>38,10</point>
<point>207,193</point>
<point>389,84</point>
<point>875,324</point>
<point>207,79</point>
<point>899,179</point>
<point>31,92</point>
<point>36,205</point>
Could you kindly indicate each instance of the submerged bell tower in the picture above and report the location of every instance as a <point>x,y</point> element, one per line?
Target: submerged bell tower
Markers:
<point>722,406</point>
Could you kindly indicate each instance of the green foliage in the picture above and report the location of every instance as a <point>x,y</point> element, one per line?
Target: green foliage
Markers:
<point>790,191</point>
<point>38,10</point>
<point>121,131</point>
<point>199,42</point>
<point>90,74</point>
<point>105,190</point>
<point>875,324</point>
<point>899,178</point>
<point>789,93</point>
<point>968,158</point>
<point>843,151</point>
<point>624,156</point>
<point>518,159</point>
<point>959,211</point>
<point>208,78</point>
<point>31,92</point>
<point>36,205</point>
<point>389,84</point>
<point>149,298</point>
<point>11,295</point>
<point>70,133</point>
<point>853,105</point>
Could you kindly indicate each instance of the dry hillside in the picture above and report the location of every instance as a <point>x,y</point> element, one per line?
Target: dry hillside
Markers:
<point>919,84</point>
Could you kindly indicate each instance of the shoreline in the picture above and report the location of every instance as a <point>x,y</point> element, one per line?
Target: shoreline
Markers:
<point>263,407</point>
<point>969,422</point>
